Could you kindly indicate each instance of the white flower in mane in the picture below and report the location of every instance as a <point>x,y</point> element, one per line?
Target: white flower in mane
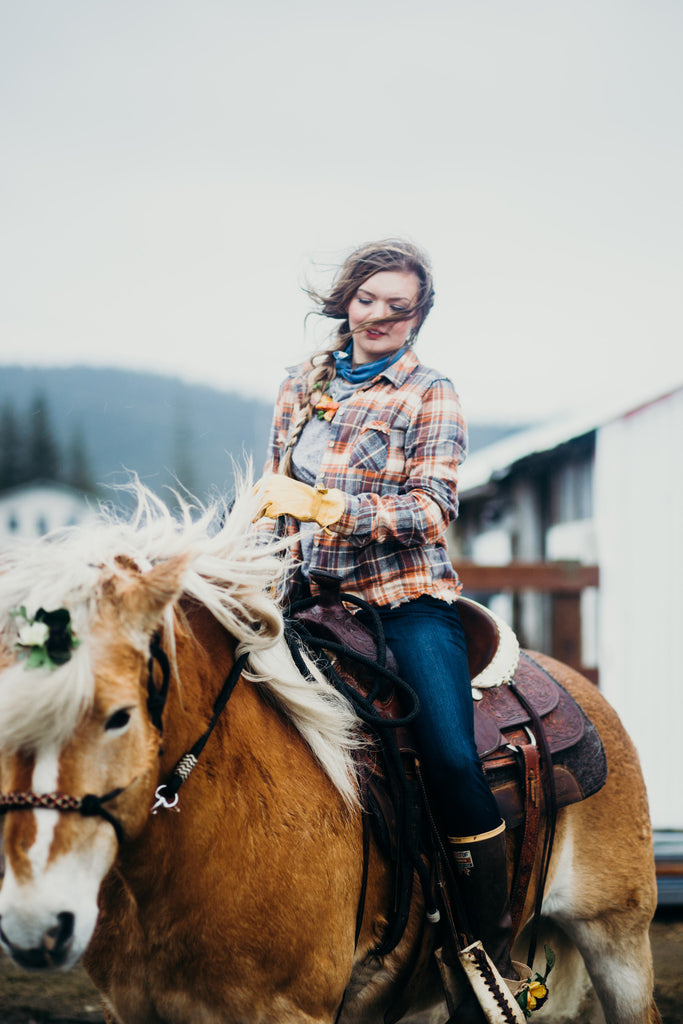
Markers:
<point>33,634</point>
<point>231,572</point>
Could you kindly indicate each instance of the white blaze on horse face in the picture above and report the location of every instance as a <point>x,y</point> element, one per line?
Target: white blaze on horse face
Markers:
<point>45,776</point>
<point>62,881</point>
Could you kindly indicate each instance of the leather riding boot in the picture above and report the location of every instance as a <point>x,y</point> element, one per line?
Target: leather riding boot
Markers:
<point>481,870</point>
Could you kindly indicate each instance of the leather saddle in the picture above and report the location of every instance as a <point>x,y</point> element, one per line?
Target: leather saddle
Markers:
<point>508,718</point>
<point>538,748</point>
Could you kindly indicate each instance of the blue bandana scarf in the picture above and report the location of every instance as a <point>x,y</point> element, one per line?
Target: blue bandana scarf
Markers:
<point>366,371</point>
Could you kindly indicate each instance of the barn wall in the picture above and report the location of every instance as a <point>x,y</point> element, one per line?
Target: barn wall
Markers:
<point>35,509</point>
<point>638,516</point>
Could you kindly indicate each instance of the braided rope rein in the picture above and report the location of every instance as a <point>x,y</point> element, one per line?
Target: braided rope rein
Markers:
<point>52,801</point>
<point>89,806</point>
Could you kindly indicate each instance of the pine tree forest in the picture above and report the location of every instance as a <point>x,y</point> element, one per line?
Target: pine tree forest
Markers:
<point>30,451</point>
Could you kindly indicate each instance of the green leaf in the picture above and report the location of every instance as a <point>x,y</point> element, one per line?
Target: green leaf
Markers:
<point>37,658</point>
<point>549,961</point>
<point>522,999</point>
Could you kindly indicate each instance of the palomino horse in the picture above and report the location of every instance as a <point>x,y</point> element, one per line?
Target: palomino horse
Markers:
<point>240,904</point>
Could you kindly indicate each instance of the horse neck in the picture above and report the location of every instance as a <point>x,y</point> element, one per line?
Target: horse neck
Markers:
<point>205,656</point>
<point>242,783</point>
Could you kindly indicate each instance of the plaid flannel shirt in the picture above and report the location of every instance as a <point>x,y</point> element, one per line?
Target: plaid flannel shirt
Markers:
<point>394,449</point>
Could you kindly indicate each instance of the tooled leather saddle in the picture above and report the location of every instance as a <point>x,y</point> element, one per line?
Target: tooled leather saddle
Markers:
<point>539,750</point>
<point>525,721</point>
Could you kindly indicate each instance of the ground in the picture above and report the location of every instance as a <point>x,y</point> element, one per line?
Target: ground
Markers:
<point>667,947</point>
<point>71,999</point>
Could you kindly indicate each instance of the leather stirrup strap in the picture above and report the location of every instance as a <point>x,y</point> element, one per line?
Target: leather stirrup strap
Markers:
<point>548,781</point>
<point>532,819</point>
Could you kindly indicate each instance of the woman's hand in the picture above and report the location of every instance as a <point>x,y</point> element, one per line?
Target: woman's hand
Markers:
<point>281,495</point>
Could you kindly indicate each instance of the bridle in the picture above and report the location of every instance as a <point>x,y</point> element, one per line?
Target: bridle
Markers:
<point>91,805</point>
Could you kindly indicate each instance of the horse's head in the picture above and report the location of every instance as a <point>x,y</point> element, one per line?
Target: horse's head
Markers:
<point>81,687</point>
<point>79,750</point>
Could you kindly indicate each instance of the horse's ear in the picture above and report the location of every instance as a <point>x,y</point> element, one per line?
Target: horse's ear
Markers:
<point>139,599</point>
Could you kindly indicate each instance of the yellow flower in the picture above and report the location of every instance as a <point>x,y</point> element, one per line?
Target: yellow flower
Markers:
<point>535,992</point>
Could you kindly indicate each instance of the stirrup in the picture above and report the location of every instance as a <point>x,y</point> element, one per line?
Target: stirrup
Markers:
<point>493,993</point>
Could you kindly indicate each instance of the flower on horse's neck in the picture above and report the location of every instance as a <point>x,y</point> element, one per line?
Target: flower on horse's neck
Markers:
<point>47,638</point>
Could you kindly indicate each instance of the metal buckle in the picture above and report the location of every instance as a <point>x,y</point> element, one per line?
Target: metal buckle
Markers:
<point>163,802</point>
<point>530,736</point>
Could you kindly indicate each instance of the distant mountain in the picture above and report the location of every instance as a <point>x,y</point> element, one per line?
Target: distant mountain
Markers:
<point>157,426</point>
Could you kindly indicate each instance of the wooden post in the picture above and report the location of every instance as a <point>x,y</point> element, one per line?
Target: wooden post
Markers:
<point>563,581</point>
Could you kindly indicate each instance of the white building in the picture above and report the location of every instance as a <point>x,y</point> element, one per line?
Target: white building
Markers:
<point>606,489</point>
<point>36,508</point>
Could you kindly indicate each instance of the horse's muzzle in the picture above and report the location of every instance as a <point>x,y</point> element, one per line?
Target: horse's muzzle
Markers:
<point>52,953</point>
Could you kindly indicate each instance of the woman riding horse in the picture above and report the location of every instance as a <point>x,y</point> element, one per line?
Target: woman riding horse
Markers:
<point>250,903</point>
<point>366,443</point>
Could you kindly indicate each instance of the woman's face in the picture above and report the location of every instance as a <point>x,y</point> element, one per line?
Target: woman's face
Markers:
<point>385,293</point>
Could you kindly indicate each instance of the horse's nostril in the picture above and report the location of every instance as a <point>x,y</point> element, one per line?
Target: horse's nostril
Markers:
<point>57,937</point>
<point>54,950</point>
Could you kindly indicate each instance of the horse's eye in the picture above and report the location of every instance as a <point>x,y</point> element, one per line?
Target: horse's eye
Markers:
<point>118,719</point>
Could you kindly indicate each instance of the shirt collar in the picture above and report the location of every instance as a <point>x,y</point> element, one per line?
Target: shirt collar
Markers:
<point>399,371</point>
<point>396,374</point>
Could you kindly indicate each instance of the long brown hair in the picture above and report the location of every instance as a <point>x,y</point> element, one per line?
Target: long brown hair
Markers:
<point>360,265</point>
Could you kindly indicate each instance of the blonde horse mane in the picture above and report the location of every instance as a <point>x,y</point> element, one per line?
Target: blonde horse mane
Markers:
<point>229,569</point>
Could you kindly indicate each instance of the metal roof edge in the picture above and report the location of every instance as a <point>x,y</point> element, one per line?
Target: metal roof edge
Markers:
<point>497,459</point>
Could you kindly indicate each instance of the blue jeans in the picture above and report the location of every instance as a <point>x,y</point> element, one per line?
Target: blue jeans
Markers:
<point>428,642</point>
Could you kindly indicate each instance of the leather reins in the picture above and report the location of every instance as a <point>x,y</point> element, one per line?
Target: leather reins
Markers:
<point>167,793</point>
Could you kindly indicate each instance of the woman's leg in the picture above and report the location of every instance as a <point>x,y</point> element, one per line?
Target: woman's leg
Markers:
<point>428,642</point>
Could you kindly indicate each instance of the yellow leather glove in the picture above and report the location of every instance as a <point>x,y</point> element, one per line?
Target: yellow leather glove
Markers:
<point>280,495</point>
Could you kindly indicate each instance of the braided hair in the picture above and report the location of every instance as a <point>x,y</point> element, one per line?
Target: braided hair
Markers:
<point>361,264</point>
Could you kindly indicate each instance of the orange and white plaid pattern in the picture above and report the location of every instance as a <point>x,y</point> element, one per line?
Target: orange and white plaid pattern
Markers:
<point>394,449</point>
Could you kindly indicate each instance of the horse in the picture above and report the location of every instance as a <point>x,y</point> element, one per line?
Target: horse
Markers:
<point>243,903</point>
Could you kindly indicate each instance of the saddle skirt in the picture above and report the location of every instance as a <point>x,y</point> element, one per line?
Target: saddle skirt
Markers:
<point>504,727</point>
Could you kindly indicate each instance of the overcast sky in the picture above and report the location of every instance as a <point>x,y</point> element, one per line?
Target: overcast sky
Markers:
<point>174,170</point>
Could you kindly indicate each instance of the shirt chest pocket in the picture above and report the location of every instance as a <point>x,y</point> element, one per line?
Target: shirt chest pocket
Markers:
<point>379,449</point>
